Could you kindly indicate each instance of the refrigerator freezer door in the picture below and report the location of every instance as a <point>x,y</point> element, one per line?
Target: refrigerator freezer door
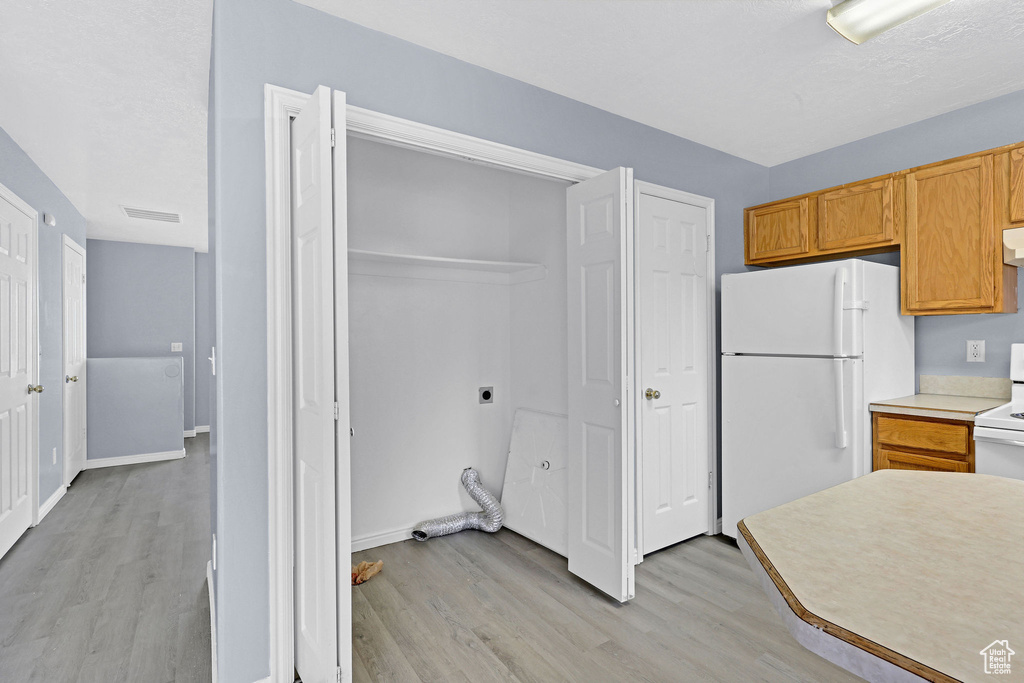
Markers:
<point>812,310</point>
<point>790,427</point>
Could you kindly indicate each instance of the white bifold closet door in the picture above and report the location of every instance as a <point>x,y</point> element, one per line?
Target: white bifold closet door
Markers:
<point>600,443</point>
<point>322,608</point>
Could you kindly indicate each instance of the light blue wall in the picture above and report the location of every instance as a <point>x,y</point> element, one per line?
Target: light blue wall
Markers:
<point>136,406</point>
<point>20,174</point>
<point>941,340</point>
<point>140,298</point>
<point>204,338</point>
<point>287,44</point>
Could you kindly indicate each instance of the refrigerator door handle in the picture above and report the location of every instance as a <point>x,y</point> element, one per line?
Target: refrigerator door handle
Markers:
<point>838,367</point>
<point>837,311</point>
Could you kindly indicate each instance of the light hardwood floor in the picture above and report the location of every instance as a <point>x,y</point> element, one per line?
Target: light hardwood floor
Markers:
<point>481,607</point>
<point>111,586</point>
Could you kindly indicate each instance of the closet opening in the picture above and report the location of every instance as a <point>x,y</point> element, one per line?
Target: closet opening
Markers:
<point>457,320</point>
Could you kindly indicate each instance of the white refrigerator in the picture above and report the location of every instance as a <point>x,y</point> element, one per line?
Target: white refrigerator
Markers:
<point>805,349</point>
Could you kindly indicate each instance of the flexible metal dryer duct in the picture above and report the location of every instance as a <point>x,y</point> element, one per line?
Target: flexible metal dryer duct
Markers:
<point>489,520</point>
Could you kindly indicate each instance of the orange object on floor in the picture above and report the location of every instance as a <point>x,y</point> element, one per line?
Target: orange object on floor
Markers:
<point>364,571</point>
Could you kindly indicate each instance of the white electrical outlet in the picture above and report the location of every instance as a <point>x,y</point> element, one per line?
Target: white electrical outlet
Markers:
<point>175,346</point>
<point>975,350</point>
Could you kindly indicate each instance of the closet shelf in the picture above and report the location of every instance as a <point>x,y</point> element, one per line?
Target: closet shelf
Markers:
<point>362,262</point>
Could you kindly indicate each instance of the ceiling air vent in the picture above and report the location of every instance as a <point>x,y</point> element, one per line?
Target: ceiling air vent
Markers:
<point>150,215</point>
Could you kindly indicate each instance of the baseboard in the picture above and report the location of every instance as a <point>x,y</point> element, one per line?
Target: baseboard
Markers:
<point>91,464</point>
<point>383,538</point>
<point>189,433</point>
<point>213,619</point>
<point>202,429</point>
<point>45,508</point>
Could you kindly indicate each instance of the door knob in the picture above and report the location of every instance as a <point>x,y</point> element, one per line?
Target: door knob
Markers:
<point>35,388</point>
<point>652,394</point>
<point>69,378</point>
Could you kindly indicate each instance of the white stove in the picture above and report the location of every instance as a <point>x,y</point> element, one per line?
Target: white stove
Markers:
<point>1007,416</point>
<point>999,433</point>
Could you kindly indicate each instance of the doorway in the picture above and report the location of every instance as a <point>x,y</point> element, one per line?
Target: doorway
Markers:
<point>73,337</point>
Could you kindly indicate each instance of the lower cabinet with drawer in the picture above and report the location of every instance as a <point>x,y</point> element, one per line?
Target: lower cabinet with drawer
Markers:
<point>904,442</point>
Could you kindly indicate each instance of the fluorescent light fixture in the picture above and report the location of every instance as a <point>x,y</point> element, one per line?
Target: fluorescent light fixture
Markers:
<point>860,20</point>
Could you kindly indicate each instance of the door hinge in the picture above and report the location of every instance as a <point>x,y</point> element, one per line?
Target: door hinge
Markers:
<point>337,411</point>
<point>340,678</point>
<point>707,242</point>
<point>710,478</point>
<point>334,143</point>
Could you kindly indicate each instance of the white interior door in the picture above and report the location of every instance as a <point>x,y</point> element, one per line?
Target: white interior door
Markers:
<point>18,369</point>
<point>672,303</point>
<point>313,392</point>
<point>600,454</point>
<point>73,309</point>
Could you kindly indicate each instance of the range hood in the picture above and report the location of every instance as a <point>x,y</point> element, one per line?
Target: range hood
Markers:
<point>1013,247</point>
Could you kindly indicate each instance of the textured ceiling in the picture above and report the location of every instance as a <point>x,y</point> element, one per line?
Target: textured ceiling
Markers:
<point>766,80</point>
<point>109,98</point>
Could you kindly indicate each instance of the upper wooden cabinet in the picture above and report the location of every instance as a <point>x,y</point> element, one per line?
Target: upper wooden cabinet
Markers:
<point>946,219</point>
<point>1016,184</point>
<point>950,237</point>
<point>952,247</point>
<point>777,230</point>
<point>856,216</point>
<point>859,218</point>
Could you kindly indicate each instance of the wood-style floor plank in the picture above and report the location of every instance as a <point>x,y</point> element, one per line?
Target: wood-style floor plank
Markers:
<point>475,606</point>
<point>111,586</point>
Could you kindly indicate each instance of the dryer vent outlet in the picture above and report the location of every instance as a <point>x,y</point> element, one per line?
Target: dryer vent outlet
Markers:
<point>487,394</point>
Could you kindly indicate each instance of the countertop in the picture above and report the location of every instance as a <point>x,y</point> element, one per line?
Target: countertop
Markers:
<point>938,405</point>
<point>932,590</point>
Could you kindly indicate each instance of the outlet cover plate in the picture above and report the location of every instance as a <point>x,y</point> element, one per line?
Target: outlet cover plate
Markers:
<point>175,346</point>
<point>975,350</point>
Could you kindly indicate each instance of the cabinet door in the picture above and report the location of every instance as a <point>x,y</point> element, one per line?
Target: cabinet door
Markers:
<point>895,460</point>
<point>1017,185</point>
<point>950,249</point>
<point>856,216</point>
<point>779,229</point>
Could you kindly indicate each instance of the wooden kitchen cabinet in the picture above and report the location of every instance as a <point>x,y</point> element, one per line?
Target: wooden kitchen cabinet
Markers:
<point>905,442</point>
<point>946,219</point>
<point>777,230</point>
<point>952,244</point>
<point>1009,170</point>
<point>857,216</point>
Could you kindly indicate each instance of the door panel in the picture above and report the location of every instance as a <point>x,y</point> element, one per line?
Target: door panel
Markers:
<point>672,301</point>
<point>856,216</point>
<point>600,453</point>
<point>779,229</point>
<point>950,237</point>
<point>793,311</point>
<point>315,573</point>
<point>74,360</point>
<point>780,430</point>
<point>17,371</point>
<point>1017,185</point>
